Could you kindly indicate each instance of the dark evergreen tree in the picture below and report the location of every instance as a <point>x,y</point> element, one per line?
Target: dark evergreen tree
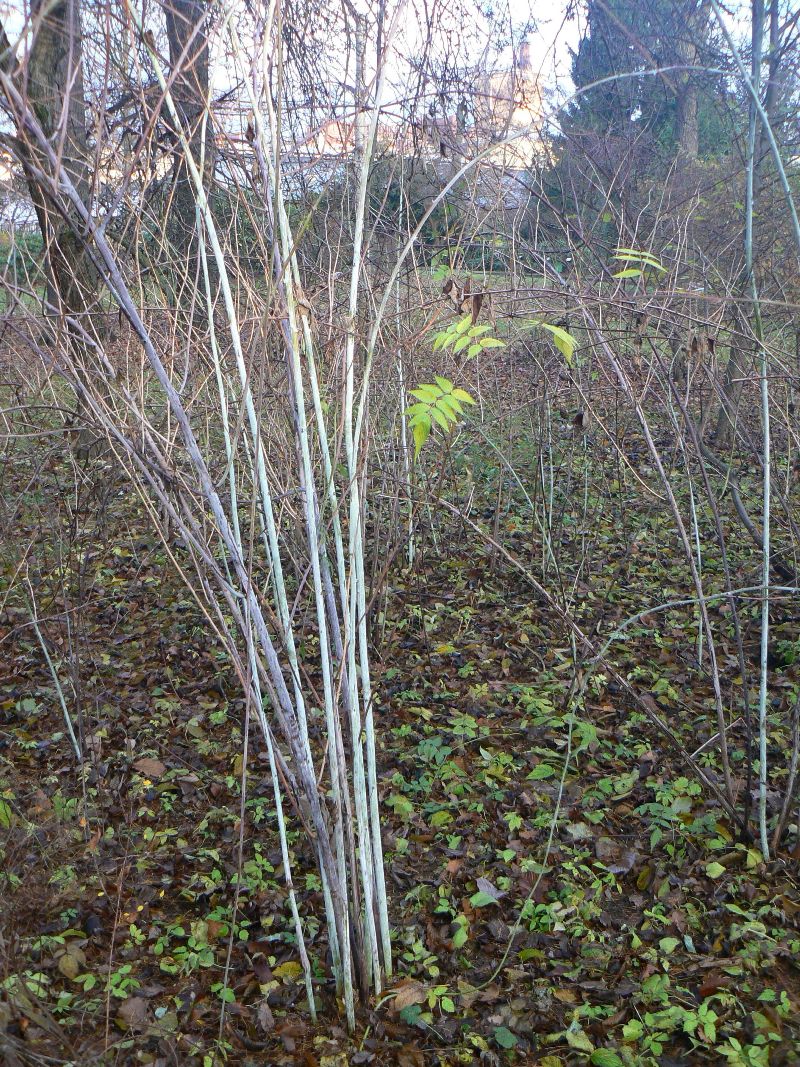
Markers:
<point>648,51</point>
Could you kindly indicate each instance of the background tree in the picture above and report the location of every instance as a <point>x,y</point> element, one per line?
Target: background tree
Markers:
<point>676,110</point>
<point>53,83</point>
<point>187,34</point>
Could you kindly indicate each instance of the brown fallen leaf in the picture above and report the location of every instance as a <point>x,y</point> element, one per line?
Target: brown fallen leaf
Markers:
<point>566,996</point>
<point>40,804</point>
<point>491,890</point>
<point>787,905</point>
<point>266,1020</point>
<point>713,983</point>
<point>149,767</point>
<point>410,1056</point>
<point>615,856</point>
<point>132,1014</point>
<point>409,993</point>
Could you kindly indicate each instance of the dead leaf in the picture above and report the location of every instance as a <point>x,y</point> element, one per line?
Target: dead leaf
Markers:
<point>788,906</point>
<point>614,855</point>
<point>334,1059</point>
<point>214,929</point>
<point>40,805</point>
<point>491,890</point>
<point>713,983</point>
<point>68,966</point>
<point>149,767</point>
<point>410,1056</point>
<point>132,1014</point>
<point>409,993</point>
<point>566,996</point>
<point>580,831</point>
<point>266,1020</point>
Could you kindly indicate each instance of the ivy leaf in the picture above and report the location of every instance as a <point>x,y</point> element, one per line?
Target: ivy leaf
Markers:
<point>411,1015</point>
<point>504,1037</point>
<point>541,771</point>
<point>481,899</point>
<point>225,993</point>
<point>577,1038</point>
<point>402,805</point>
<point>605,1057</point>
<point>633,1030</point>
<point>460,937</point>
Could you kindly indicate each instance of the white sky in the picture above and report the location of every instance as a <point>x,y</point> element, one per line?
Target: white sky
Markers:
<point>555,34</point>
<point>550,41</point>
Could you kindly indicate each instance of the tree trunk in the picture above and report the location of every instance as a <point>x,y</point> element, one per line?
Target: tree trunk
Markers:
<point>53,83</point>
<point>771,95</point>
<point>687,53</point>
<point>735,373</point>
<point>688,134</point>
<point>51,86</point>
<point>188,55</point>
